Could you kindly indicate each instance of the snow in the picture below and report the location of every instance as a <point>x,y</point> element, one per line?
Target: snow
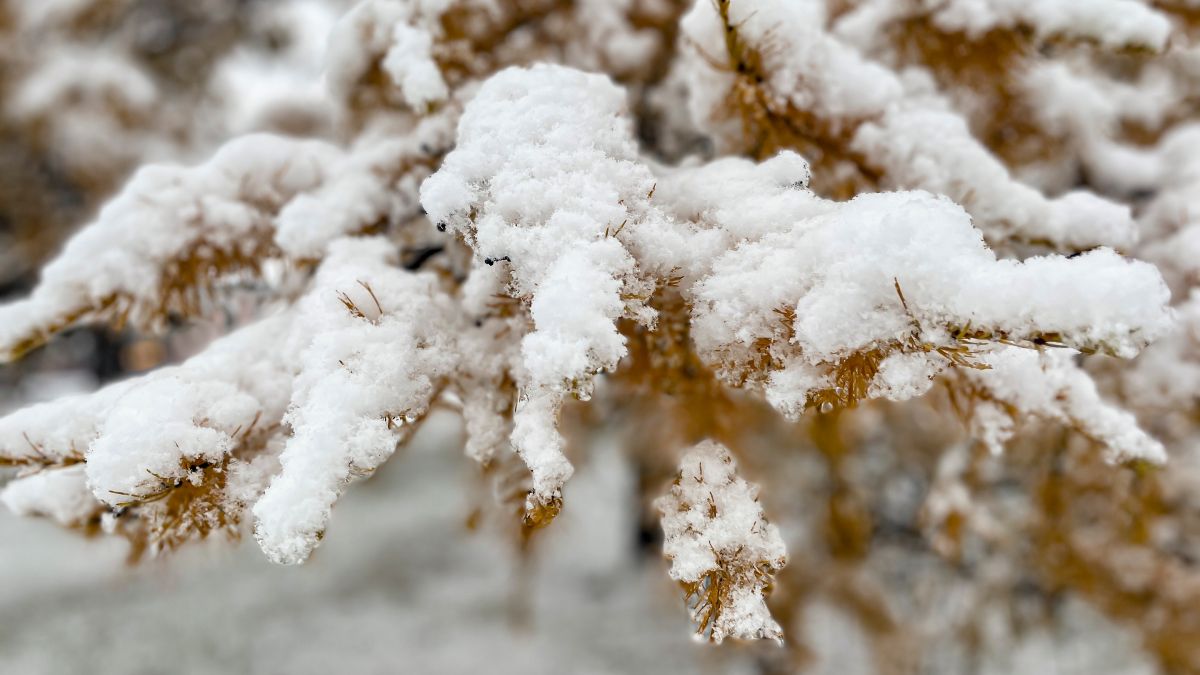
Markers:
<point>59,494</point>
<point>374,182</point>
<point>262,88</point>
<point>904,376</point>
<point>90,77</point>
<point>94,105</point>
<point>173,423</point>
<point>803,63</point>
<point>1112,23</point>
<point>140,433</point>
<point>1166,376</point>
<point>1080,103</point>
<point>934,150</point>
<point>713,524</point>
<point>612,42</point>
<point>399,585</point>
<point>58,429</point>
<point>546,186</point>
<point>488,354</point>
<point>409,63</point>
<point>548,230</point>
<point>121,262</point>
<point>885,268</point>
<point>545,167</point>
<point>898,128</point>
<point>709,209</point>
<point>1049,385</point>
<point>394,35</point>
<point>375,342</point>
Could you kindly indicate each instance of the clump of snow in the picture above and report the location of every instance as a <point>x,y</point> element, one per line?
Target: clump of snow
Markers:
<point>263,89</point>
<point>897,129</point>
<point>397,37</point>
<point>1166,376</point>
<point>933,150</point>
<point>543,177</point>
<point>1112,23</point>
<point>903,376</point>
<point>93,80</point>
<point>1086,108</point>
<point>720,543</point>
<point>802,62</point>
<point>375,343</point>
<point>138,435</point>
<point>60,494</point>
<point>99,110</point>
<point>708,209</point>
<point>904,270</point>
<point>1050,385</point>
<point>374,182</point>
<point>58,430</point>
<point>175,424</point>
<point>612,41</point>
<point>215,212</point>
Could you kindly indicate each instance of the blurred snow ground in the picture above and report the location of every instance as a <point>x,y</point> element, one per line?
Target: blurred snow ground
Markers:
<point>400,586</point>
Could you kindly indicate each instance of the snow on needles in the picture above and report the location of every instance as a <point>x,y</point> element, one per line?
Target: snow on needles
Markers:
<point>168,232</point>
<point>906,135</point>
<point>544,173</point>
<point>134,441</point>
<point>395,36</point>
<point>1050,385</point>
<point>376,342</point>
<point>721,547</point>
<point>1113,23</point>
<point>375,182</point>
<point>906,273</point>
<point>569,232</point>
